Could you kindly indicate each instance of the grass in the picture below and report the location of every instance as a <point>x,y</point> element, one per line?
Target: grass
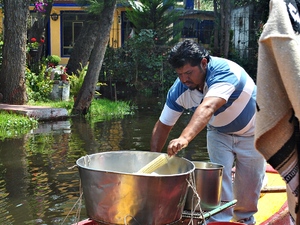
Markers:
<point>104,107</point>
<point>99,107</point>
<point>12,124</point>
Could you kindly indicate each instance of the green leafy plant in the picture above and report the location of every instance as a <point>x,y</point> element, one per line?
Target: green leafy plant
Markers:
<point>76,81</point>
<point>38,87</point>
<point>140,63</point>
<point>155,15</point>
<point>13,125</point>
<point>53,60</point>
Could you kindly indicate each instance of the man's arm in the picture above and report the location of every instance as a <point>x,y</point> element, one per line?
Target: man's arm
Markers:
<point>197,123</point>
<point>160,134</point>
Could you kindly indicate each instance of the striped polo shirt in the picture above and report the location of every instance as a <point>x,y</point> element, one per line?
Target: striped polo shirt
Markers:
<point>224,79</point>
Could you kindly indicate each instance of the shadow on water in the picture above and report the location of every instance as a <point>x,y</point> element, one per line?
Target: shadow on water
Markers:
<point>38,181</point>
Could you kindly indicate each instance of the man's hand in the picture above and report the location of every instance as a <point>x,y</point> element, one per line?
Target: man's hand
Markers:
<point>176,145</point>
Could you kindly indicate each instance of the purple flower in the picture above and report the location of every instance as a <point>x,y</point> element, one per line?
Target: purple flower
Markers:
<point>40,6</point>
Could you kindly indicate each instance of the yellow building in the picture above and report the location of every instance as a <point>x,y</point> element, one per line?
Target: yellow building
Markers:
<point>67,18</point>
<point>66,21</point>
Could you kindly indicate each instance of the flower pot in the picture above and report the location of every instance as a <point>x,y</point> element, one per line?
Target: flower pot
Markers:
<point>63,77</point>
<point>33,52</point>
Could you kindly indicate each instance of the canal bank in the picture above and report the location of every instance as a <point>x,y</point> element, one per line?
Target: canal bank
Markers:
<point>38,112</point>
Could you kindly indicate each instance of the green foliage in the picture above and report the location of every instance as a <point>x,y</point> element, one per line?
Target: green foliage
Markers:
<point>117,64</point>
<point>100,108</point>
<point>54,60</point>
<point>156,15</point>
<point>76,81</point>
<point>140,63</point>
<point>103,109</point>
<point>94,7</point>
<point>207,5</point>
<point>149,59</point>
<point>38,87</point>
<point>13,125</point>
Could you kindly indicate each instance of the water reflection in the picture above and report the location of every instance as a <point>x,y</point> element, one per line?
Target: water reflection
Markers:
<point>38,181</point>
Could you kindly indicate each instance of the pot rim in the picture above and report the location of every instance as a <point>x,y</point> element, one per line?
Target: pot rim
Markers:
<point>134,174</point>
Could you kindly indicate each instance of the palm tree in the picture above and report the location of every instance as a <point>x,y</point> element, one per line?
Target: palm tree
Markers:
<point>158,16</point>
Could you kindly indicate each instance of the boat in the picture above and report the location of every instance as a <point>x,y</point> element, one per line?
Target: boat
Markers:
<point>272,205</point>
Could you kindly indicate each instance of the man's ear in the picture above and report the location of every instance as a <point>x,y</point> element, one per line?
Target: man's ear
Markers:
<point>203,63</point>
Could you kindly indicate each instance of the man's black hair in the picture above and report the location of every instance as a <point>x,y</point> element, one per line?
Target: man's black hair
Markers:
<point>186,52</point>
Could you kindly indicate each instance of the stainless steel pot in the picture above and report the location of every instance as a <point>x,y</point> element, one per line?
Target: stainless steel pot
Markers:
<point>114,193</point>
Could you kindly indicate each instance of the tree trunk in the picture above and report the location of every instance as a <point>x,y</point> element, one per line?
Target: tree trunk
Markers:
<point>222,27</point>
<point>87,91</point>
<point>12,76</point>
<point>38,30</point>
<point>227,22</point>
<point>216,29</point>
<point>84,44</point>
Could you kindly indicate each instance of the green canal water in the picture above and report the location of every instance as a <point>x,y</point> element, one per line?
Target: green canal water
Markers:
<point>39,183</point>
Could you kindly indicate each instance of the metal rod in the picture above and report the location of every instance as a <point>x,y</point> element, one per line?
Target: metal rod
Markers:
<point>207,215</point>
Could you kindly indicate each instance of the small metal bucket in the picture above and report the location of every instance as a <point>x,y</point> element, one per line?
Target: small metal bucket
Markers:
<point>115,194</point>
<point>208,182</point>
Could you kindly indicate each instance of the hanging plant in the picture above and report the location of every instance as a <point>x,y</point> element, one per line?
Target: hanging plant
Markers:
<point>33,44</point>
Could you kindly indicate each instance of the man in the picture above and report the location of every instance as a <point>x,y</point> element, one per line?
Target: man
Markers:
<point>222,96</point>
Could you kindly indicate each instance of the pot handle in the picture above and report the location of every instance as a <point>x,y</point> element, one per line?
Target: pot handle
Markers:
<point>86,161</point>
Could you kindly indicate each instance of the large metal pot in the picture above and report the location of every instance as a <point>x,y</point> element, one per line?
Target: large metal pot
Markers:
<point>208,184</point>
<point>114,193</point>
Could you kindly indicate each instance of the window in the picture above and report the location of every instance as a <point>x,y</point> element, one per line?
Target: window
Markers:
<point>197,30</point>
<point>72,22</point>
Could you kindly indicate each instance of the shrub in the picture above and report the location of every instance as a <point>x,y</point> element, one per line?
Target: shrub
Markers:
<point>38,87</point>
<point>141,63</point>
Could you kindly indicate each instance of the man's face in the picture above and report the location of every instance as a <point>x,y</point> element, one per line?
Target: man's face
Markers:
<point>193,77</point>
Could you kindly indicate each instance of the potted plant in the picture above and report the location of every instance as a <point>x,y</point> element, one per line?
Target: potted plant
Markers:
<point>33,45</point>
<point>53,60</point>
<point>63,73</point>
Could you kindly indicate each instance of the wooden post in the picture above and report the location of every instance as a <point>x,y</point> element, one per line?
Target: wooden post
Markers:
<point>115,89</point>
